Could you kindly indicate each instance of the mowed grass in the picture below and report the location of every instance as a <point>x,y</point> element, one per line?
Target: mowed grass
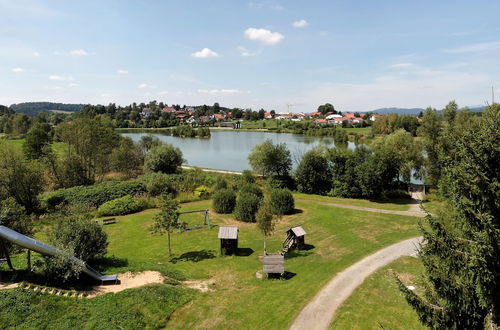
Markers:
<point>378,304</point>
<point>148,307</point>
<point>434,203</point>
<point>337,238</point>
<point>394,204</point>
<point>17,144</point>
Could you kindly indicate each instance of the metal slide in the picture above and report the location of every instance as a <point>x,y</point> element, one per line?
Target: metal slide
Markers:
<point>34,245</point>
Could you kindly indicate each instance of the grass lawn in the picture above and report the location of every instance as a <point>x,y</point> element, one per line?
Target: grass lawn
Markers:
<point>433,202</point>
<point>378,304</point>
<point>146,307</point>
<point>336,238</point>
<point>58,147</point>
<point>394,204</point>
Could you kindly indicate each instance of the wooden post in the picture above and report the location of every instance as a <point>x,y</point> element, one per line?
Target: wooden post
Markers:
<point>5,253</point>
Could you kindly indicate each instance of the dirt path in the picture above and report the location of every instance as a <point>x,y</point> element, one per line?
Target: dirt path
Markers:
<point>414,210</point>
<point>319,312</point>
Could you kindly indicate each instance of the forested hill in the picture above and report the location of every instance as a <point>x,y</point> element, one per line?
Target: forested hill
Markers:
<point>33,108</point>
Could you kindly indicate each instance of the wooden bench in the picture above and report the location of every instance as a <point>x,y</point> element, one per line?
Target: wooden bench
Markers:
<point>108,221</point>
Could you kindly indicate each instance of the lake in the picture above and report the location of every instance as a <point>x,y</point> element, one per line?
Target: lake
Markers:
<point>229,150</point>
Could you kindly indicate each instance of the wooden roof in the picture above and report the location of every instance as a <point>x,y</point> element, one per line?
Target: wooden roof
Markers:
<point>228,232</point>
<point>298,231</point>
<point>274,264</point>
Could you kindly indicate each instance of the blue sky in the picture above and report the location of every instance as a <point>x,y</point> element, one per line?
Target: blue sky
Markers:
<point>357,55</point>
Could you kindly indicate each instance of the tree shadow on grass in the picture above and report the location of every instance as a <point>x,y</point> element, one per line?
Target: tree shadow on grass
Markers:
<point>194,256</point>
<point>244,252</point>
<point>296,211</point>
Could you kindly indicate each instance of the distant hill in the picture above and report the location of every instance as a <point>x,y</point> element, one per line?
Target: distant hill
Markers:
<point>33,108</point>
<point>413,111</point>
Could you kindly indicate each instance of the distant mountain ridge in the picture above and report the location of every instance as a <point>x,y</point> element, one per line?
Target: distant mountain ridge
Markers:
<point>413,111</point>
<point>34,108</point>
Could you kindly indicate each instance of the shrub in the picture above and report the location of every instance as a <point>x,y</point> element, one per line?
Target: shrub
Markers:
<point>224,201</point>
<point>220,183</point>
<point>120,206</point>
<point>251,188</point>
<point>281,182</point>
<point>247,176</point>
<point>94,195</point>
<point>164,158</point>
<point>202,192</point>
<point>313,174</point>
<point>282,201</point>
<point>246,207</point>
<point>86,238</point>
<point>158,183</point>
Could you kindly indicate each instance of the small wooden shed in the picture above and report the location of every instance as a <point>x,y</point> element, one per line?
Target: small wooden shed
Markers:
<point>295,238</point>
<point>274,264</point>
<point>228,236</point>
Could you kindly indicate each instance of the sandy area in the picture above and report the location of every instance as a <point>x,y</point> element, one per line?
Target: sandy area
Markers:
<point>202,285</point>
<point>128,281</point>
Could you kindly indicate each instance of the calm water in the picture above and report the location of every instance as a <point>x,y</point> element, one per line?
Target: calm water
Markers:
<point>228,150</point>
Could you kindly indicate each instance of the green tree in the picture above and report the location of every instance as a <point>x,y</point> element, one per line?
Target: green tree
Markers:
<point>271,159</point>
<point>462,245</point>
<point>126,158</point>
<point>168,219</point>
<point>313,175</point>
<point>246,207</point>
<point>35,142</point>
<point>164,158</point>
<point>265,221</point>
<point>13,216</point>
<point>19,178</point>
<point>224,201</point>
<point>450,111</point>
<point>327,107</point>
<point>431,129</point>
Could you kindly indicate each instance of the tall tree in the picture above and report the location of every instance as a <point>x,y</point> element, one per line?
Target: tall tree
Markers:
<point>271,159</point>
<point>450,111</point>
<point>35,141</point>
<point>168,219</point>
<point>430,129</point>
<point>461,247</point>
<point>264,218</point>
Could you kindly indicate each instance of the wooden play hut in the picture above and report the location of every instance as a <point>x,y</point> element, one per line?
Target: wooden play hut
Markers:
<point>274,264</point>
<point>228,236</point>
<point>295,238</point>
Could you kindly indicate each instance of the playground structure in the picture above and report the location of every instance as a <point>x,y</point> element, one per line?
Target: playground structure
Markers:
<point>206,221</point>
<point>228,236</point>
<point>294,240</point>
<point>274,264</point>
<point>33,245</point>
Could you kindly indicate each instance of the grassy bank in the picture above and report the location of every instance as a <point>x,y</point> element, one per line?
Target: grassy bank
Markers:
<point>378,304</point>
<point>394,204</point>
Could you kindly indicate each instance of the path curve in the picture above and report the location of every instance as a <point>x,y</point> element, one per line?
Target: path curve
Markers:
<point>319,312</point>
<point>414,211</point>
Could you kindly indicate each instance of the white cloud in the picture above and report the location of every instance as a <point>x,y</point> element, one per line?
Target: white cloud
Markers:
<point>72,85</point>
<point>18,70</point>
<point>475,48</point>
<point>263,35</point>
<point>244,52</point>
<point>402,65</point>
<point>36,54</point>
<point>144,85</point>
<point>61,78</point>
<point>121,71</point>
<point>219,91</point>
<point>75,52</point>
<point>300,24</point>
<point>205,53</point>
<point>163,93</point>
<point>105,95</point>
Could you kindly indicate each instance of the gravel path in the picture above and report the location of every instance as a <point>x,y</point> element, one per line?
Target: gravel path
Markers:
<point>319,312</point>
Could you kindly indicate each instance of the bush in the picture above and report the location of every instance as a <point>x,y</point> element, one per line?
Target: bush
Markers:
<point>120,206</point>
<point>220,183</point>
<point>158,183</point>
<point>251,188</point>
<point>94,195</point>
<point>202,192</point>
<point>247,176</point>
<point>281,182</point>
<point>164,158</point>
<point>86,238</point>
<point>224,201</point>
<point>246,207</point>
<point>282,201</point>
<point>313,174</point>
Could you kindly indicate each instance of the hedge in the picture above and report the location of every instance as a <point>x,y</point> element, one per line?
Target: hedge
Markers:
<point>246,207</point>
<point>121,206</point>
<point>224,201</point>
<point>282,201</point>
<point>94,195</point>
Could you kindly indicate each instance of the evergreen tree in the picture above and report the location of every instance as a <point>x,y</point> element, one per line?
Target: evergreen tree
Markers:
<point>461,248</point>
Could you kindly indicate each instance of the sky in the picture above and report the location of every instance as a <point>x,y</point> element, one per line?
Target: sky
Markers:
<point>283,55</point>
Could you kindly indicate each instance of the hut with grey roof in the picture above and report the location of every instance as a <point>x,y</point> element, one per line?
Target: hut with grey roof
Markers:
<point>274,264</point>
<point>228,236</point>
<point>295,239</point>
